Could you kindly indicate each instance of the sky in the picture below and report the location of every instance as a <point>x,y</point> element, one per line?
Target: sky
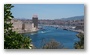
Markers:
<point>47,11</point>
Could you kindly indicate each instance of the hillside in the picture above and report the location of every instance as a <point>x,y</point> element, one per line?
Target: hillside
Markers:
<point>73,18</point>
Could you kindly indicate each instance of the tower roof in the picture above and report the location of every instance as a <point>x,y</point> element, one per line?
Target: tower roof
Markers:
<point>35,16</point>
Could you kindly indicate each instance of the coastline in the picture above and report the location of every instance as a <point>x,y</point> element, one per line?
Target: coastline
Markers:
<point>79,31</point>
<point>23,31</point>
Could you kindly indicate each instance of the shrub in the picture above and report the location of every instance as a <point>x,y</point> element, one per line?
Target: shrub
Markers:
<point>53,45</point>
<point>80,44</point>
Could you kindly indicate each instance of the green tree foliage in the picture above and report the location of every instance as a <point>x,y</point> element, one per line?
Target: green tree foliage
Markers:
<point>13,40</point>
<point>53,45</point>
<point>80,44</point>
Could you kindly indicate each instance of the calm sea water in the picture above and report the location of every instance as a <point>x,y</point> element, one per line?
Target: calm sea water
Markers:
<point>66,38</point>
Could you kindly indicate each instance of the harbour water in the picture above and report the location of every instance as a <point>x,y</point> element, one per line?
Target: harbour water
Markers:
<point>65,37</point>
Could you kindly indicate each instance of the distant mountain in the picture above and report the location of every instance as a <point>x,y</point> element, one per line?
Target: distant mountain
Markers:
<point>74,18</point>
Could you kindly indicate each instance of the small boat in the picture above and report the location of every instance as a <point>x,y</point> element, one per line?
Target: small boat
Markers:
<point>56,27</point>
<point>64,29</point>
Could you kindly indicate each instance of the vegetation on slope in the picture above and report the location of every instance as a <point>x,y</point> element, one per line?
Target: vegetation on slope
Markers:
<point>80,44</point>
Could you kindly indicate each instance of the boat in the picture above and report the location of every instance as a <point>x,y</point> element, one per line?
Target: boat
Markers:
<point>64,29</point>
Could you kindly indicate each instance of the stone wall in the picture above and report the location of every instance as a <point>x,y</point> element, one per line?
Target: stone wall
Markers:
<point>22,27</point>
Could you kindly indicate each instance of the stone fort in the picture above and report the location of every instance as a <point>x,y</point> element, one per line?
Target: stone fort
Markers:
<point>23,27</point>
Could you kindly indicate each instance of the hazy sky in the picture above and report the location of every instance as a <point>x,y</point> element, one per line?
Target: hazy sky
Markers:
<point>47,11</point>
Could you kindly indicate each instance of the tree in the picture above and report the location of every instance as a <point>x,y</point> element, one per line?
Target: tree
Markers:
<point>53,45</point>
<point>80,44</point>
<point>13,40</point>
